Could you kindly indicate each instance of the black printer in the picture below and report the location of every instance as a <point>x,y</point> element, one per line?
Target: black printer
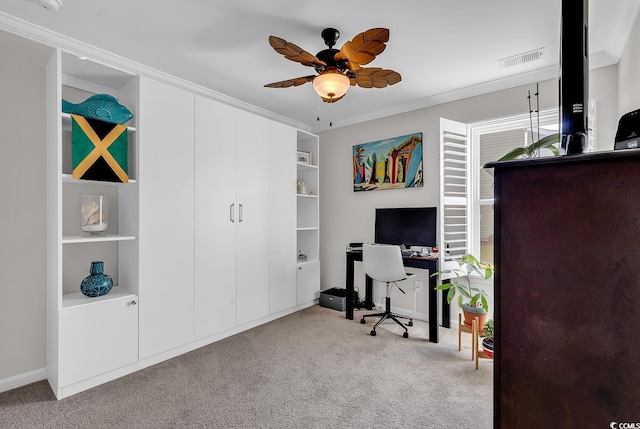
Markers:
<point>628,134</point>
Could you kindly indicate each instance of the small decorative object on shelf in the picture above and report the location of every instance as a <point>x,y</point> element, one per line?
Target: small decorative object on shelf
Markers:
<point>93,211</point>
<point>99,150</point>
<point>301,255</point>
<point>304,157</point>
<point>96,283</point>
<point>103,107</point>
<point>302,187</point>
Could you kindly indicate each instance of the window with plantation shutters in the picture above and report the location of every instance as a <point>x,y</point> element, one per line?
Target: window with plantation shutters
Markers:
<point>454,192</point>
<point>466,189</point>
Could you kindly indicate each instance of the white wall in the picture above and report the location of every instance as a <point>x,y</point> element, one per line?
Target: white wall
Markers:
<point>629,65</point>
<point>347,216</point>
<point>23,204</point>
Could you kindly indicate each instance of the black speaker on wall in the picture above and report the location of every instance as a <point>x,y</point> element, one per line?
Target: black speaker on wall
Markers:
<point>574,76</point>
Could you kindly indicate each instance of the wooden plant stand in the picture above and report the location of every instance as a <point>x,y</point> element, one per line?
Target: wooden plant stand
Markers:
<point>476,352</point>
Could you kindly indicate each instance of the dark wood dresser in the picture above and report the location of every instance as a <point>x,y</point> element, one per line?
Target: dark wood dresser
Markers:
<point>567,291</point>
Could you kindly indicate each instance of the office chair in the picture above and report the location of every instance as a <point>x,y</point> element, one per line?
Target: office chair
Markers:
<point>384,263</point>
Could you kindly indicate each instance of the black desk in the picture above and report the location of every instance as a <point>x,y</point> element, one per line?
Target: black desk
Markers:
<point>425,262</point>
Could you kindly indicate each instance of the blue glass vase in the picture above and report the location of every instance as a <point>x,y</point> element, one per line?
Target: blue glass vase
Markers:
<point>97,283</point>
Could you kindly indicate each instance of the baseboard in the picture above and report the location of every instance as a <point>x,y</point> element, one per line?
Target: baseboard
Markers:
<point>81,386</point>
<point>410,313</point>
<point>23,379</point>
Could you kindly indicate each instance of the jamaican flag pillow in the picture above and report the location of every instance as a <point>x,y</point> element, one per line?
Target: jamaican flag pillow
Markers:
<point>99,150</point>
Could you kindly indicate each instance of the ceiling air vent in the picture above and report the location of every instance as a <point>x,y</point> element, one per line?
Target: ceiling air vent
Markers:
<point>525,57</point>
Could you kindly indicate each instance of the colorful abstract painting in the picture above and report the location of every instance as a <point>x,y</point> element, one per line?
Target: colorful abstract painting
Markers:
<point>388,164</point>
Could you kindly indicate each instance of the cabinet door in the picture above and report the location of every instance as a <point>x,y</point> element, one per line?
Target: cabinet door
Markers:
<point>282,209</point>
<point>308,279</point>
<point>216,217</point>
<point>253,169</point>
<point>166,216</point>
<point>97,338</point>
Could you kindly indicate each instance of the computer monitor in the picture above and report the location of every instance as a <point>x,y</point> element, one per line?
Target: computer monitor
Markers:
<point>411,226</point>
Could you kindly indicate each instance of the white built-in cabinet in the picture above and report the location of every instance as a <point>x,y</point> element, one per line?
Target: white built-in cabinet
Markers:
<point>166,135</point>
<point>232,202</point>
<point>245,217</point>
<point>283,214</point>
<point>252,217</point>
<point>202,241</point>
<point>88,337</point>
<point>308,219</point>
<point>216,213</point>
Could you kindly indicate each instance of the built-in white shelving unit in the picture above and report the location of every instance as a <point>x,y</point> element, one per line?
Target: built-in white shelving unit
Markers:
<point>185,272</point>
<point>308,220</point>
<point>88,337</point>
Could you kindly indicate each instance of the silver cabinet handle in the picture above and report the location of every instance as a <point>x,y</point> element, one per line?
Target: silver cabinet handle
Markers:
<point>240,212</point>
<point>231,217</point>
<point>299,268</point>
<point>134,302</point>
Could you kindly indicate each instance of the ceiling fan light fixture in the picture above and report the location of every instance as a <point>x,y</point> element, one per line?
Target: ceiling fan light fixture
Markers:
<point>331,84</point>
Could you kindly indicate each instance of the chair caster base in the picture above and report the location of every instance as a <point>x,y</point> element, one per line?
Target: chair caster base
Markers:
<point>362,321</point>
<point>406,334</point>
<point>373,333</point>
<point>410,322</point>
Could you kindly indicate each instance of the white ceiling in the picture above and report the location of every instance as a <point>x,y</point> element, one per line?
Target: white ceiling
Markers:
<point>444,49</point>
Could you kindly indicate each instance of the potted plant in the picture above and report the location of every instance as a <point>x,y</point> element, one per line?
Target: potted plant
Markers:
<point>472,300</point>
<point>487,341</point>
<point>534,149</point>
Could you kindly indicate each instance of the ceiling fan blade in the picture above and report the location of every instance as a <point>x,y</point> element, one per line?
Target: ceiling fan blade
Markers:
<point>374,77</point>
<point>294,52</point>
<point>364,47</point>
<point>297,81</point>
<point>353,66</point>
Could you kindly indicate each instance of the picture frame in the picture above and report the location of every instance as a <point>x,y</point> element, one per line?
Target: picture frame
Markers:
<point>304,157</point>
<point>391,163</point>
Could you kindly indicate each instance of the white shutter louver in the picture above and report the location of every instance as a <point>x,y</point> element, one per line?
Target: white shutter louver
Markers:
<point>454,193</point>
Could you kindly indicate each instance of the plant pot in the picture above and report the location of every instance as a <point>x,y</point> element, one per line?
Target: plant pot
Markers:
<point>471,313</point>
<point>487,346</point>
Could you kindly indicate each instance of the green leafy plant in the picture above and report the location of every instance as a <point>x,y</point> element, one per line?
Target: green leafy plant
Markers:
<point>488,329</point>
<point>472,296</point>
<point>533,150</point>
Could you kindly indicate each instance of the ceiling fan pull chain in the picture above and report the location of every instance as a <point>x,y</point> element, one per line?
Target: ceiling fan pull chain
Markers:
<point>331,115</point>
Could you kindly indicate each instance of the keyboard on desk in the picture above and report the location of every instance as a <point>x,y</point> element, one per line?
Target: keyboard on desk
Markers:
<point>408,253</point>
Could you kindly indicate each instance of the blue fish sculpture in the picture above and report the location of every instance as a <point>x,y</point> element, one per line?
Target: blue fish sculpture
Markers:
<point>103,107</point>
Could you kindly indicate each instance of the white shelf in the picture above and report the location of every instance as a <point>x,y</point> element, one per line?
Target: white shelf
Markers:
<point>307,230</point>
<point>72,300</point>
<point>96,238</point>
<point>66,123</point>
<point>302,166</point>
<point>68,178</point>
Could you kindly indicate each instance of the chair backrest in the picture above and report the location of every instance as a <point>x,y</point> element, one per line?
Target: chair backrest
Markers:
<point>383,262</point>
